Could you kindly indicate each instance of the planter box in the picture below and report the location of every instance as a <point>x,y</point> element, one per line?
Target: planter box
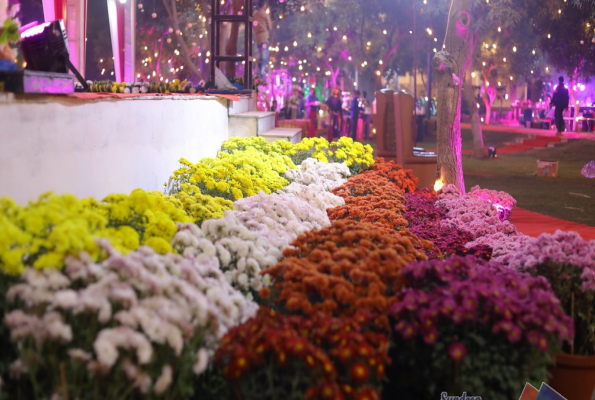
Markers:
<point>573,376</point>
<point>547,168</point>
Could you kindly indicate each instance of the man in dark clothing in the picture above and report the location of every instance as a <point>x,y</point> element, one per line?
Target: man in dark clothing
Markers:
<point>560,100</point>
<point>313,106</point>
<point>335,115</point>
<point>355,110</point>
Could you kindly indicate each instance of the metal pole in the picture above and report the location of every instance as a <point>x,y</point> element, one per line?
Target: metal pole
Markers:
<point>429,88</point>
<point>414,133</point>
<point>415,53</point>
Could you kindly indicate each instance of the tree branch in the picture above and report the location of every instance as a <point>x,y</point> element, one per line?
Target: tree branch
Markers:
<point>173,16</point>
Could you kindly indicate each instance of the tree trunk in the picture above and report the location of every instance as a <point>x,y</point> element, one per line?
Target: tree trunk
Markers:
<point>232,45</point>
<point>488,118</point>
<point>478,143</point>
<point>451,64</point>
<point>172,11</point>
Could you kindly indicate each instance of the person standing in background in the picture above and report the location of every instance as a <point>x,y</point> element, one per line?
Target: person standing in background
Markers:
<point>301,105</point>
<point>313,107</point>
<point>262,30</point>
<point>355,111</point>
<point>367,115</point>
<point>560,100</point>
<point>335,109</point>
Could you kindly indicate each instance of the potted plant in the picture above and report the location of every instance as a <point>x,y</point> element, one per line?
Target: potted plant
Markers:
<point>469,326</point>
<point>9,33</point>
<point>568,263</point>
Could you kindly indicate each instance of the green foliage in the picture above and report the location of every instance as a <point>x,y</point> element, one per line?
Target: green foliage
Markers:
<point>494,368</point>
<point>567,283</point>
<point>567,29</point>
<point>347,35</point>
<point>211,385</point>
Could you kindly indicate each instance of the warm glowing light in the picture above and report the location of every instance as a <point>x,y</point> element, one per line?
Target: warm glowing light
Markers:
<point>438,185</point>
<point>514,49</point>
<point>473,74</point>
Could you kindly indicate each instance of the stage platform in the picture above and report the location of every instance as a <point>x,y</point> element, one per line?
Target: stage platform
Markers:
<point>93,144</point>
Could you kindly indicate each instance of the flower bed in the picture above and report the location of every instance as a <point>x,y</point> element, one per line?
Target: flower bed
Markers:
<point>568,263</point>
<point>458,318</point>
<point>371,198</point>
<point>133,322</point>
<point>338,250</point>
<point>340,270</point>
<point>400,177</point>
<point>424,220</point>
<point>273,357</point>
<point>503,202</point>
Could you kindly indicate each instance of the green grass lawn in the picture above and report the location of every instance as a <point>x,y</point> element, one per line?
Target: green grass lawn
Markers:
<point>569,196</point>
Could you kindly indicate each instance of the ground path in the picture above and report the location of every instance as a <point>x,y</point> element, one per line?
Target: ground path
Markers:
<point>534,224</point>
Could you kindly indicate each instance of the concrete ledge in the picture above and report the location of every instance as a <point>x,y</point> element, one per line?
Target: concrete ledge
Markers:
<point>103,146</point>
<point>293,135</point>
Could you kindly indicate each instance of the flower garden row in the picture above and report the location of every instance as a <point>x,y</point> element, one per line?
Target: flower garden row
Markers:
<point>275,271</point>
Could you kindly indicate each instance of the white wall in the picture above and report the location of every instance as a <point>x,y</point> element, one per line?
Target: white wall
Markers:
<point>93,148</point>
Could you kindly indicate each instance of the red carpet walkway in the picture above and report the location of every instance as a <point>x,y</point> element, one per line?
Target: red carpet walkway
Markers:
<point>529,131</point>
<point>534,224</point>
<point>527,144</point>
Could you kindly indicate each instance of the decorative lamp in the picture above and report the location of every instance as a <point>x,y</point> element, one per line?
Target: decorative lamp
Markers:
<point>45,48</point>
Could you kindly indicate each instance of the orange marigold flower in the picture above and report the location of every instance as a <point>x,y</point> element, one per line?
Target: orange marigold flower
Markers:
<point>359,372</point>
<point>264,293</point>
